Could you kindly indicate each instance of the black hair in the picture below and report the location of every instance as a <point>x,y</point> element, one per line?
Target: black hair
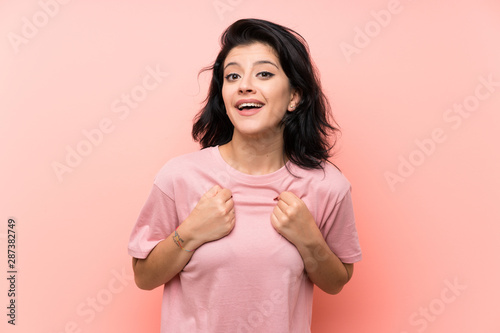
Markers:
<point>307,130</point>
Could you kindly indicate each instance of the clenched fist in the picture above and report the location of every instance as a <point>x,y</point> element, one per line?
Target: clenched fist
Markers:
<point>292,219</point>
<point>213,216</point>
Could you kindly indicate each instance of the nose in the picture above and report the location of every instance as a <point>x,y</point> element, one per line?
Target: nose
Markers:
<point>246,85</point>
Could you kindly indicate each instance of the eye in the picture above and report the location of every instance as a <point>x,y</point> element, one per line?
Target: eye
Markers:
<point>265,75</point>
<point>232,77</point>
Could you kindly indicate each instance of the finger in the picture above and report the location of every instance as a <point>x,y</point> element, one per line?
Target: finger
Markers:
<point>213,191</point>
<point>274,220</point>
<point>232,222</point>
<point>229,205</point>
<point>282,205</point>
<point>278,213</point>
<point>225,194</point>
<point>287,197</point>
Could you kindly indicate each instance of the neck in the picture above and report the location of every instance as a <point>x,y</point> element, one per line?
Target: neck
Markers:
<point>254,156</point>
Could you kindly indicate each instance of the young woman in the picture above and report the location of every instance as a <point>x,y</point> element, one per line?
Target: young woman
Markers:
<point>240,231</point>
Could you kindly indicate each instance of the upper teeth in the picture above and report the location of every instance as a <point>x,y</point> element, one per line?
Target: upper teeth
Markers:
<point>241,106</point>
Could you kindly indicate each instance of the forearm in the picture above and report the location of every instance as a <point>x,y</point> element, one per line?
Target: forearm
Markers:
<point>164,262</point>
<point>323,267</point>
<point>211,219</point>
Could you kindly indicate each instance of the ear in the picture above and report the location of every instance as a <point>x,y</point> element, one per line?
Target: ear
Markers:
<point>295,98</point>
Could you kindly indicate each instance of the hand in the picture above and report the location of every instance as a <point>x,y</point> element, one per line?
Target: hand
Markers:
<point>292,219</point>
<point>213,216</point>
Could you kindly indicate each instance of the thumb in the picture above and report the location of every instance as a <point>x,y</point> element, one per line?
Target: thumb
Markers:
<point>213,191</point>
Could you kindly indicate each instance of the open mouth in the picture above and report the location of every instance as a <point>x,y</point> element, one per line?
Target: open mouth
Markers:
<point>249,106</point>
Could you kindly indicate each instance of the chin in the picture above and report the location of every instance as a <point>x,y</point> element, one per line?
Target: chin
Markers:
<point>258,132</point>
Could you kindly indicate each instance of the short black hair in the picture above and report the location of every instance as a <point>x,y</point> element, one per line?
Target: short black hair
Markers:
<point>308,129</point>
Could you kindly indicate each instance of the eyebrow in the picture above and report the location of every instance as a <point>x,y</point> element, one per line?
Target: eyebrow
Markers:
<point>260,62</point>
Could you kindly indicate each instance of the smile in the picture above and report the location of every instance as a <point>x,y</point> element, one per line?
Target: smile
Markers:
<point>249,107</point>
<point>249,111</point>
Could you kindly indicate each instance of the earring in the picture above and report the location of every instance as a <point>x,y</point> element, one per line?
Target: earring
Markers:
<point>292,106</point>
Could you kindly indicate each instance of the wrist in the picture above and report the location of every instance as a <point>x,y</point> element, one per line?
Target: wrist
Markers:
<point>309,236</point>
<point>190,241</point>
<point>310,243</point>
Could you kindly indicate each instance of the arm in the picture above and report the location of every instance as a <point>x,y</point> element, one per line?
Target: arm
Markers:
<point>292,219</point>
<point>323,267</point>
<point>164,262</point>
<point>211,219</point>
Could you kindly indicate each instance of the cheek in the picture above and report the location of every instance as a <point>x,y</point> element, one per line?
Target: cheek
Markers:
<point>278,109</point>
<point>279,96</point>
<point>227,95</point>
<point>225,99</point>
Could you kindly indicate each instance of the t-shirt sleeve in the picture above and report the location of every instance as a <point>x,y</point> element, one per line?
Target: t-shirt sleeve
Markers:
<point>156,221</point>
<point>340,231</point>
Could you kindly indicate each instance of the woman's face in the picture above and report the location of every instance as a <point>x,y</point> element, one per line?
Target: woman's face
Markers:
<point>256,91</point>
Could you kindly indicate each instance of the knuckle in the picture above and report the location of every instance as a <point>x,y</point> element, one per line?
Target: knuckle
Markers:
<point>221,211</point>
<point>291,211</point>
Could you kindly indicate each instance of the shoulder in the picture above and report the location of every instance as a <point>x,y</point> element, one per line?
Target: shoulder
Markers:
<point>328,182</point>
<point>191,159</point>
<point>183,165</point>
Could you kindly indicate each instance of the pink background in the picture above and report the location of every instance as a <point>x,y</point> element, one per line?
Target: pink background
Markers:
<point>430,237</point>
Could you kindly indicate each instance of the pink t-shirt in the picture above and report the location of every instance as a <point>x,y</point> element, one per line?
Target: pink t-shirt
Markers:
<point>252,280</point>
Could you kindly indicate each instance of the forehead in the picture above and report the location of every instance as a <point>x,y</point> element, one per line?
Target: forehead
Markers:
<point>251,52</point>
